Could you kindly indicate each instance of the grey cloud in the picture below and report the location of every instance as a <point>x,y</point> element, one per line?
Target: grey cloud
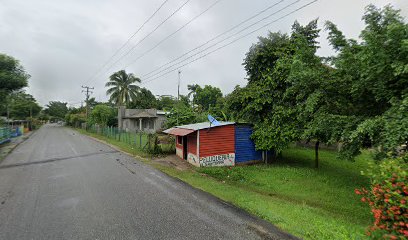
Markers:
<point>63,43</point>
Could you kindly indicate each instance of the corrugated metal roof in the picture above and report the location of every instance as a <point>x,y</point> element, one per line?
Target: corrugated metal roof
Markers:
<point>179,131</point>
<point>203,125</point>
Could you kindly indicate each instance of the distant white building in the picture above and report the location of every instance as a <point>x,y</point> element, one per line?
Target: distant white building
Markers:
<point>144,120</point>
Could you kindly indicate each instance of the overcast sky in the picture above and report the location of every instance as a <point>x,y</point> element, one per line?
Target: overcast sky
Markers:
<point>63,44</point>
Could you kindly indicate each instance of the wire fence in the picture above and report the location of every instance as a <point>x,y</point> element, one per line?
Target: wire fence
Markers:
<point>5,134</point>
<point>152,143</point>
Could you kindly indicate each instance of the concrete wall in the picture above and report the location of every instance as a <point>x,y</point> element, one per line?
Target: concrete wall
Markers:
<point>127,123</point>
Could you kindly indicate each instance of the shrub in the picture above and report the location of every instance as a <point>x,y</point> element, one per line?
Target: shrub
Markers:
<point>388,198</point>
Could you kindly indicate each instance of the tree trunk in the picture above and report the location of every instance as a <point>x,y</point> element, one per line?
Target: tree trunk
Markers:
<point>317,154</point>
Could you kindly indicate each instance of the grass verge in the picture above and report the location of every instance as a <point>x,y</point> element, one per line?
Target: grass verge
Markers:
<point>124,146</point>
<point>306,202</point>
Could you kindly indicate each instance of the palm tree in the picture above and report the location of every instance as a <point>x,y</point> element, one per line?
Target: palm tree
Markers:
<point>193,89</point>
<point>122,88</point>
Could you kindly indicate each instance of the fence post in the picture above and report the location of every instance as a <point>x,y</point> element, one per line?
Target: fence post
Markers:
<point>148,139</point>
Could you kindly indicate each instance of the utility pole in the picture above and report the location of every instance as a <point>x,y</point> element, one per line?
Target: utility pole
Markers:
<point>178,94</point>
<point>178,85</point>
<point>87,93</point>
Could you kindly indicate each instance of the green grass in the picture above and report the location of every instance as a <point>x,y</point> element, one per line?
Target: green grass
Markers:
<point>309,203</point>
<point>123,145</point>
<point>306,202</point>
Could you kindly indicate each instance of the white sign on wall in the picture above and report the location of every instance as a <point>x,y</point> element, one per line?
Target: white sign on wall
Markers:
<point>218,160</point>
<point>193,159</point>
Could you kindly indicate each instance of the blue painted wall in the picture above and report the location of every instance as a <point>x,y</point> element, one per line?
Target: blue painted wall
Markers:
<point>244,146</point>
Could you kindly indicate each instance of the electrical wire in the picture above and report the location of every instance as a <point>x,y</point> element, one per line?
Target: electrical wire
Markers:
<point>226,38</point>
<point>149,34</point>
<point>172,34</point>
<point>129,39</point>
<point>225,45</point>
<point>235,34</point>
<point>214,38</point>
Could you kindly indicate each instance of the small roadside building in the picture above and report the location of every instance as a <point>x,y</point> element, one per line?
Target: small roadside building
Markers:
<point>141,120</point>
<point>226,144</point>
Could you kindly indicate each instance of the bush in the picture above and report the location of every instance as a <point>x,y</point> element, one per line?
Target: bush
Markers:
<point>388,198</point>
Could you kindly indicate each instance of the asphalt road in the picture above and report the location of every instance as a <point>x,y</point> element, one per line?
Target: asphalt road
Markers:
<point>59,184</point>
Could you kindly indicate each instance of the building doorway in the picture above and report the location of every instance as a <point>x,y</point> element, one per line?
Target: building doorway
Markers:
<point>185,147</point>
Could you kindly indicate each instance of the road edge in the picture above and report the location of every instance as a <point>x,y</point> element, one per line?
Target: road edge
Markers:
<point>262,227</point>
<point>15,145</point>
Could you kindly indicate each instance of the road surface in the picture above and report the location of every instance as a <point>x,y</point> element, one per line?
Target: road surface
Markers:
<point>59,184</point>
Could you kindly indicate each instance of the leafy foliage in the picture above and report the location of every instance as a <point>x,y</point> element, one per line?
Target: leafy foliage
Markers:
<point>375,74</point>
<point>103,115</point>
<point>206,97</point>
<point>12,76</point>
<point>181,114</point>
<point>144,99</point>
<point>56,109</point>
<point>22,105</point>
<point>388,199</point>
<point>123,88</point>
<point>166,102</point>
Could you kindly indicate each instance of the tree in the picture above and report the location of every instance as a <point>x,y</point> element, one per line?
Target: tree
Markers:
<point>144,99</point>
<point>184,100</point>
<point>207,96</point>
<point>166,102</point>
<point>12,76</point>
<point>102,115</point>
<point>181,114</point>
<point>291,93</point>
<point>23,105</point>
<point>192,88</point>
<point>233,105</point>
<point>56,109</point>
<point>266,101</point>
<point>375,73</point>
<point>92,103</point>
<point>122,87</point>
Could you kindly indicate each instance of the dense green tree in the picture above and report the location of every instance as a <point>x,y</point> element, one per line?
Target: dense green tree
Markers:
<point>181,114</point>
<point>144,99</point>
<point>22,106</point>
<point>291,93</point>
<point>375,75</point>
<point>207,96</point>
<point>192,88</point>
<point>56,109</point>
<point>265,101</point>
<point>12,76</point>
<point>184,100</point>
<point>102,115</point>
<point>166,102</point>
<point>122,87</point>
<point>92,103</point>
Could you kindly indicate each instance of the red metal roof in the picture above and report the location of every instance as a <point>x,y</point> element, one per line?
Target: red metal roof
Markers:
<point>180,131</point>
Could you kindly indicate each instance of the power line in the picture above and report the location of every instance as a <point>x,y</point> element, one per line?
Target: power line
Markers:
<point>219,35</point>
<point>128,40</point>
<point>154,30</point>
<point>226,38</point>
<point>87,94</point>
<point>225,45</point>
<point>172,34</point>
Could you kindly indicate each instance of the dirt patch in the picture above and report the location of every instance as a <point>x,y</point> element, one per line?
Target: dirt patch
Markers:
<point>173,161</point>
